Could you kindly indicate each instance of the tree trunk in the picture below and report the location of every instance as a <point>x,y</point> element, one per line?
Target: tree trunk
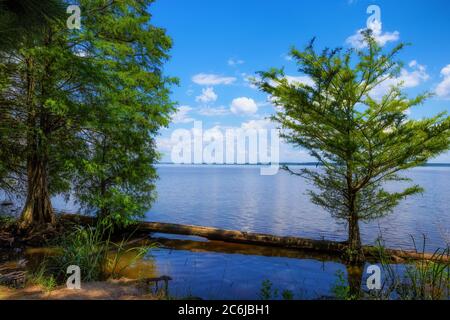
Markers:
<point>355,277</point>
<point>354,239</point>
<point>38,209</point>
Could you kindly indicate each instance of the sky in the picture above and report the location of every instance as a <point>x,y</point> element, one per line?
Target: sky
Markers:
<point>219,44</point>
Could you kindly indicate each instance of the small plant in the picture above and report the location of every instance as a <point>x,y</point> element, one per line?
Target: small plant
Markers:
<point>268,292</point>
<point>6,221</point>
<point>340,289</point>
<point>42,278</point>
<point>115,263</point>
<point>287,295</point>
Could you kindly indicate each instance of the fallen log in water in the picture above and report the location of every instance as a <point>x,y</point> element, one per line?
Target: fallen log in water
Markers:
<point>243,237</point>
<point>324,246</point>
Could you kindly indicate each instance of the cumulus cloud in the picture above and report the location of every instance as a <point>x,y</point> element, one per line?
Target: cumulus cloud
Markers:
<point>407,78</point>
<point>357,40</point>
<point>204,79</point>
<point>182,115</point>
<point>443,88</point>
<point>208,95</point>
<point>243,105</point>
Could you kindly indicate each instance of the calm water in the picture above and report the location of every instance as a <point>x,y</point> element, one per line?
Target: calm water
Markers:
<point>238,197</point>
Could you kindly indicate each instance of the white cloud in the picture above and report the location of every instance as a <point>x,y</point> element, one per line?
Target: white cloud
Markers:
<point>243,105</point>
<point>291,79</point>
<point>408,78</point>
<point>443,88</point>
<point>212,79</point>
<point>306,80</point>
<point>412,63</point>
<point>257,124</point>
<point>211,112</point>
<point>234,62</point>
<point>248,80</point>
<point>181,116</point>
<point>300,79</point>
<point>208,95</point>
<point>357,40</point>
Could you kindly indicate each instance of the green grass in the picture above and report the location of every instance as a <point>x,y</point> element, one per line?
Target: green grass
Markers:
<point>92,249</point>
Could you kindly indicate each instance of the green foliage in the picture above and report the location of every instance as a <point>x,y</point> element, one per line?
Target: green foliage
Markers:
<point>92,249</point>
<point>340,289</point>
<point>81,109</point>
<point>116,263</point>
<point>86,248</point>
<point>6,221</point>
<point>115,175</point>
<point>287,295</point>
<point>41,278</point>
<point>21,18</point>
<point>361,141</point>
<point>268,292</point>
<point>424,279</point>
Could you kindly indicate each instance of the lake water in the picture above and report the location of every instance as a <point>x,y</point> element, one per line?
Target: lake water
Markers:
<point>238,197</point>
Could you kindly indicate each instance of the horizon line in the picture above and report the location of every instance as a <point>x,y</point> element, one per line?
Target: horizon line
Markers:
<point>431,164</point>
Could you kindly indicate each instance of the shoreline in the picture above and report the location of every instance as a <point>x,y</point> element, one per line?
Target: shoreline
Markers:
<point>329,247</point>
<point>122,289</point>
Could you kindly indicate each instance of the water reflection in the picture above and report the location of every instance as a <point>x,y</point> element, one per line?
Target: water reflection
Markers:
<point>220,270</point>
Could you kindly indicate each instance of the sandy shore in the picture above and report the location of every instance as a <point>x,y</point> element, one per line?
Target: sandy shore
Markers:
<point>123,289</point>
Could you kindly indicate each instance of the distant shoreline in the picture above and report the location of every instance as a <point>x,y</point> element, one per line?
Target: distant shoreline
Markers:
<point>311,164</point>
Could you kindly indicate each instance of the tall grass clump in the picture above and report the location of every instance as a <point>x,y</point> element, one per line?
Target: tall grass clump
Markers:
<point>86,247</point>
<point>424,279</point>
<point>93,250</point>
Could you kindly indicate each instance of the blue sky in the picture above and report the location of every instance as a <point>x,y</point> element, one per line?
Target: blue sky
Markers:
<point>218,44</point>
